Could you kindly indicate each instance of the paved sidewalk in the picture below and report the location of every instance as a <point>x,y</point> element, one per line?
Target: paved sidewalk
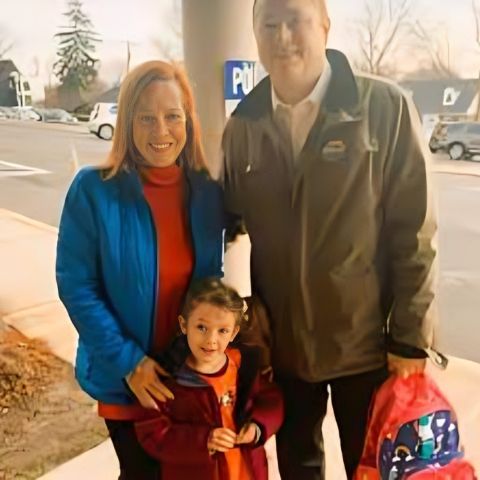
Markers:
<point>28,291</point>
<point>29,303</point>
<point>461,167</point>
<point>460,383</point>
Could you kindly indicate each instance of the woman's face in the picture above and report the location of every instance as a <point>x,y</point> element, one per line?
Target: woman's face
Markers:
<point>159,123</point>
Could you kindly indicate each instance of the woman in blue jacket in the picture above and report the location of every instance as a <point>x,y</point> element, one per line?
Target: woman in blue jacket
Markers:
<point>133,234</point>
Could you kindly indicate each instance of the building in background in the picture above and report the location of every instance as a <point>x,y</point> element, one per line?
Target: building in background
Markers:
<point>14,87</point>
<point>444,100</point>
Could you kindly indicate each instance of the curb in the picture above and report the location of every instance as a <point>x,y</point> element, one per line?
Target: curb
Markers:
<point>29,221</point>
<point>455,167</point>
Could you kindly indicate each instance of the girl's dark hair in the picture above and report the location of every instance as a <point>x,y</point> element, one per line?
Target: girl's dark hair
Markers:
<point>211,290</point>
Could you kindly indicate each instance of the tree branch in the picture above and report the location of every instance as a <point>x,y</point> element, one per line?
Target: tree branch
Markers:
<point>440,65</point>
<point>380,32</point>
<point>476,17</point>
<point>5,48</point>
<point>399,22</point>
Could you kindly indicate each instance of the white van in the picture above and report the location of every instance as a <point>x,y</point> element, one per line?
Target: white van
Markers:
<point>103,119</point>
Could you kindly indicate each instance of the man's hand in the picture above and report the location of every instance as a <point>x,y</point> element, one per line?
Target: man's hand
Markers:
<point>145,383</point>
<point>404,367</point>
<point>247,434</point>
<point>221,440</point>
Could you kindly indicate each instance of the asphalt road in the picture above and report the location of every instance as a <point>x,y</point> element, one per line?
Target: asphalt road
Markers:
<point>57,149</point>
<point>60,149</point>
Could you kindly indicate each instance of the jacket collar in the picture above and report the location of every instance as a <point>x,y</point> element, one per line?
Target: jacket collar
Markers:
<point>131,183</point>
<point>342,93</point>
<point>315,97</point>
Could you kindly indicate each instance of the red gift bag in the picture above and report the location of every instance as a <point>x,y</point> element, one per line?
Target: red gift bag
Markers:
<point>412,434</point>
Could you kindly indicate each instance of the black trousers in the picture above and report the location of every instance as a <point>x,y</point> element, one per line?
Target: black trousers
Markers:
<point>135,463</point>
<point>300,448</point>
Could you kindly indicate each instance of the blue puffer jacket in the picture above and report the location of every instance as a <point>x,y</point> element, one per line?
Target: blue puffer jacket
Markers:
<point>107,270</point>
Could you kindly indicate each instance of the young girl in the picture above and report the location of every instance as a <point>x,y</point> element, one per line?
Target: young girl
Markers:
<point>223,409</point>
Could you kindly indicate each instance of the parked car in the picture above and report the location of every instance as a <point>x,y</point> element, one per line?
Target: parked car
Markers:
<point>103,119</point>
<point>82,112</point>
<point>24,113</point>
<point>56,115</point>
<point>458,139</point>
<point>4,113</point>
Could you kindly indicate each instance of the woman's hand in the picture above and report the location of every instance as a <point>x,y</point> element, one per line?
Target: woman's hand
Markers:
<point>145,383</point>
<point>247,434</point>
<point>221,440</point>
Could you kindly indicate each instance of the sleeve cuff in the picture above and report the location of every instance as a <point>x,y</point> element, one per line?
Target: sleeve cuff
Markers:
<point>405,351</point>
<point>258,434</point>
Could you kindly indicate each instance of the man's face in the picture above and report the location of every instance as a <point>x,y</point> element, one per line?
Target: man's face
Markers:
<point>291,38</point>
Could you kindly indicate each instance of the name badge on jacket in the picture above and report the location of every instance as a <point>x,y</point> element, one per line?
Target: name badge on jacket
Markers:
<point>334,151</point>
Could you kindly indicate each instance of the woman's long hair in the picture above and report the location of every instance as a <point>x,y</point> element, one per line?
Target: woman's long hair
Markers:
<point>124,155</point>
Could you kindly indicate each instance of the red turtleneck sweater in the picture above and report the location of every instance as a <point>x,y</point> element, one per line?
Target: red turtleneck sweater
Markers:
<point>165,193</point>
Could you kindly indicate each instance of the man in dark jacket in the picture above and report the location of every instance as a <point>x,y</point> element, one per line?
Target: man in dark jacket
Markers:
<point>327,171</point>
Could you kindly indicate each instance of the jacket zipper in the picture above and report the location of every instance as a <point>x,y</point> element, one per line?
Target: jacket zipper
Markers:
<point>219,423</point>
<point>214,398</point>
<point>156,281</point>
<point>246,458</point>
<point>188,208</point>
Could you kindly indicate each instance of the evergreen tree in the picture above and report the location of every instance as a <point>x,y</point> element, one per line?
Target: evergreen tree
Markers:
<point>76,66</point>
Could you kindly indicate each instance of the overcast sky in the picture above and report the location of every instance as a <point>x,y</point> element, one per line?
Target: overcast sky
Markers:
<point>31,24</point>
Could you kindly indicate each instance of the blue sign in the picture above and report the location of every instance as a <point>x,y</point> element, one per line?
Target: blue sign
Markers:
<point>239,79</point>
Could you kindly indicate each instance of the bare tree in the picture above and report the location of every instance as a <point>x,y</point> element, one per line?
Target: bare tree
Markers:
<point>476,17</point>
<point>5,47</point>
<point>436,46</point>
<point>390,36</point>
<point>383,32</point>
<point>169,46</point>
<point>5,44</point>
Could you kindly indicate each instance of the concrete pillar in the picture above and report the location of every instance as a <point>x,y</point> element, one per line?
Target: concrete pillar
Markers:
<point>215,31</point>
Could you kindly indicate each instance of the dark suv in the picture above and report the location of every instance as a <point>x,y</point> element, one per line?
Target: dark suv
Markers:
<point>459,139</point>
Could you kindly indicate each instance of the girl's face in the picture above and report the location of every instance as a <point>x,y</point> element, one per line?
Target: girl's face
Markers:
<point>209,330</point>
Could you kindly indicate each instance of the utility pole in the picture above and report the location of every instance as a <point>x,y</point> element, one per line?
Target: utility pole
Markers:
<point>128,56</point>
<point>477,116</point>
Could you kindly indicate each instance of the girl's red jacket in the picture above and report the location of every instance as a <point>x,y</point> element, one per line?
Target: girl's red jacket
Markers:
<point>178,435</point>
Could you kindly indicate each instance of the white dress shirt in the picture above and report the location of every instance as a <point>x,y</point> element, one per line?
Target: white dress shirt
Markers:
<point>298,119</point>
